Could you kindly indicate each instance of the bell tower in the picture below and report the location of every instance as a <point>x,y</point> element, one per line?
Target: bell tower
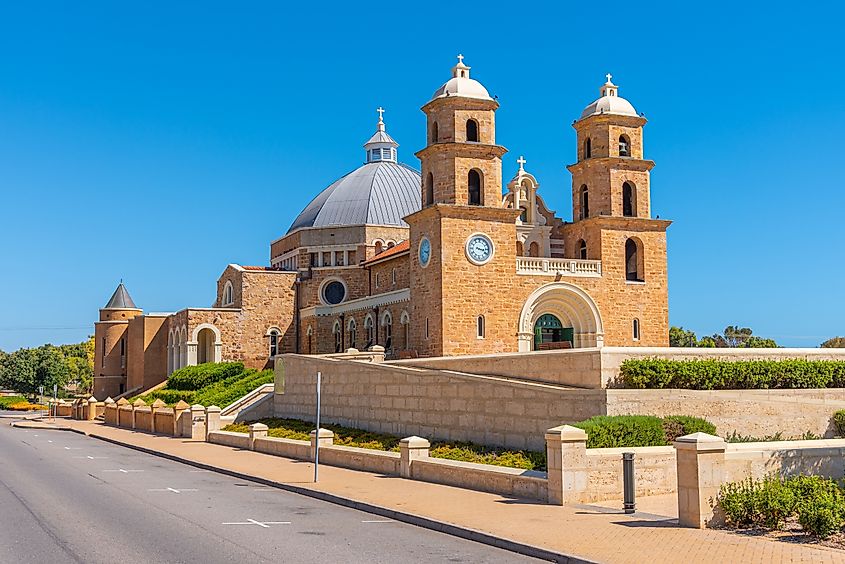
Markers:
<point>611,177</point>
<point>462,240</point>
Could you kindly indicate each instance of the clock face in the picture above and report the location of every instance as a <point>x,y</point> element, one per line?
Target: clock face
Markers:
<point>425,251</point>
<point>479,249</point>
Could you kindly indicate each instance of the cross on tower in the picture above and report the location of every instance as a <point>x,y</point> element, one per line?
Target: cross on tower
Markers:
<point>380,111</point>
<point>460,59</point>
<point>521,162</point>
<point>609,76</point>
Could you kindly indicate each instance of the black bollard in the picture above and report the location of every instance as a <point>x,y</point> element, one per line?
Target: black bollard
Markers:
<point>629,502</point>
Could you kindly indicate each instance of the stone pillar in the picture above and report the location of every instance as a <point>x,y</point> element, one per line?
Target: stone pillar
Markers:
<point>212,420</point>
<point>566,463</point>
<point>701,470</point>
<point>198,422</point>
<point>410,449</point>
<point>326,438</point>
<point>256,431</point>
<point>155,406</point>
<point>135,405</point>
<point>179,411</point>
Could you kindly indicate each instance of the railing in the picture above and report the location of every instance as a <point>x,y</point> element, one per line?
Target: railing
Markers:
<point>564,267</point>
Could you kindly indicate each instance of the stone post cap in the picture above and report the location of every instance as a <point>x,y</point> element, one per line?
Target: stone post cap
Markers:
<point>414,442</point>
<point>92,399</point>
<point>109,401</point>
<point>122,401</point>
<point>324,434</point>
<point>566,434</point>
<point>258,427</point>
<point>213,409</point>
<point>352,350</point>
<point>377,349</point>
<point>139,403</point>
<point>158,403</point>
<point>182,405</point>
<point>700,442</point>
<point>198,407</point>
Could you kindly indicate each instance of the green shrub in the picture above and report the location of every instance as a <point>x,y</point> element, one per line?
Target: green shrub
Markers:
<point>170,397</point>
<point>6,401</point>
<point>192,378</point>
<point>817,502</point>
<point>712,374</point>
<point>839,422</point>
<point>609,431</point>
<point>227,391</point>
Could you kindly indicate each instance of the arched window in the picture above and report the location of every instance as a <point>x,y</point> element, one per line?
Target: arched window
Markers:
<point>474,184</point>
<point>479,327</point>
<point>624,146</point>
<point>405,321</point>
<point>432,133</point>
<point>352,329</point>
<point>427,334</point>
<point>378,279</point>
<point>338,337</point>
<point>368,325</point>
<point>588,148</point>
<point>582,249</point>
<point>379,247</point>
<point>309,339</point>
<point>629,200</point>
<point>523,214</point>
<point>429,189</point>
<point>387,323</point>
<point>520,249</point>
<point>228,294</point>
<point>393,277</point>
<point>472,130</point>
<point>634,260</point>
<point>274,341</point>
<point>636,329</point>
<point>584,201</point>
<point>534,249</point>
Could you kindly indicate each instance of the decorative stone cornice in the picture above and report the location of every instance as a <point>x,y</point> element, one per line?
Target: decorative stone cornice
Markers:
<point>369,302</point>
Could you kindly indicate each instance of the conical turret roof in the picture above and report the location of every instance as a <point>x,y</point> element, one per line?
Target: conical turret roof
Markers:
<point>121,299</point>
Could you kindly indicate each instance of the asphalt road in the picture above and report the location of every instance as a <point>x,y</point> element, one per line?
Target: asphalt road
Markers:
<point>65,497</point>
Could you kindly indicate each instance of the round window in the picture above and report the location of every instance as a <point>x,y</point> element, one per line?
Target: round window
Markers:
<point>334,292</point>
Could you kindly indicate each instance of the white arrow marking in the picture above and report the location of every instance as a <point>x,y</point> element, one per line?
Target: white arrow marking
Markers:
<point>265,524</point>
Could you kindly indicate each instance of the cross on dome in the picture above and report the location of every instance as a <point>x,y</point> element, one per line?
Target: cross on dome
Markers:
<point>608,88</point>
<point>381,147</point>
<point>609,76</point>
<point>380,111</point>
<point>521,160</point>
<point>460,58</point>
<point>460,70</point>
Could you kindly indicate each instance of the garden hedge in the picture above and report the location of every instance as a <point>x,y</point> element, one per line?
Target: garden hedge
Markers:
<point>612,431</point>
<point>192,378</point>
<point>711,374</point>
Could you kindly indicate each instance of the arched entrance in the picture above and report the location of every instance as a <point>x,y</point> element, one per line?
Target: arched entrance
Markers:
<point>560,312</point>
<point>205,346</point>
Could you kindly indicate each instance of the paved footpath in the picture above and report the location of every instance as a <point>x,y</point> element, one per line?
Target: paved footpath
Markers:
<point>587,532</point>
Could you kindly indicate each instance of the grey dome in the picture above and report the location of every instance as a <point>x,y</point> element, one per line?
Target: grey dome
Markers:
<point>377,193</point>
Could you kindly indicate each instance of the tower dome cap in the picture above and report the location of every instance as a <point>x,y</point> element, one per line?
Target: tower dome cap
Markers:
<point>609,103</point>
<point>461,84</point>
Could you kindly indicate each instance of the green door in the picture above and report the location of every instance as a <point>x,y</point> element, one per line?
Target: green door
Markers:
<point>549,329</point>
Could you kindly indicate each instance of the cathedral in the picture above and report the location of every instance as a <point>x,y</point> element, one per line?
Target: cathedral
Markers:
<point>441,261</point>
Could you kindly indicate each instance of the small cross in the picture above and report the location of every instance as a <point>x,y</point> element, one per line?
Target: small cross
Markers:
<point>460,59</point>
<point>380,111</point>
<point>609,76</point>
<point>521,162</point>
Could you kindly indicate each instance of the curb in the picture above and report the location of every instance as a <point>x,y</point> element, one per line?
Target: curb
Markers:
<point>409,518</point>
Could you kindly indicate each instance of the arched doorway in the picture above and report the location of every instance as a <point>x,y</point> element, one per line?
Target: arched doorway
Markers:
<point>560,312</point>
<point>205,346</point>
<point>549,333</point>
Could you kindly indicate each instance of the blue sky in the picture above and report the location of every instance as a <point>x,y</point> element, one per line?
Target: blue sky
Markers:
<point>158,142</point>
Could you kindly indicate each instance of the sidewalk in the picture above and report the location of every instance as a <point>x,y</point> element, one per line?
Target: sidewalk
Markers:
<point>589,532</point>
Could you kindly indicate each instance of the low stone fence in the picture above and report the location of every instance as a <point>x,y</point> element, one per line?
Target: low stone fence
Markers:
<point>182,420</point>
<point>705,462</point>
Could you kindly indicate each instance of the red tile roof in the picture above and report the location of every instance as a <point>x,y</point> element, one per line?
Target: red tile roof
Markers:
<point>395,250</point>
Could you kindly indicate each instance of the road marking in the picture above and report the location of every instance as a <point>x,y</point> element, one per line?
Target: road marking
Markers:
<point>92,457</point>
<point>379,521</point>
<point>122,470</point>
<point>174,490</point>
<point>265,524</point>
<point>73,448</point>
<point>48,440</point>
<point>196,471</point>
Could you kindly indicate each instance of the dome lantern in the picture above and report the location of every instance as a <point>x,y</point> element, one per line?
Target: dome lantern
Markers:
<point>610,102</point>
<point>461,84</point>
<point>381,146</point>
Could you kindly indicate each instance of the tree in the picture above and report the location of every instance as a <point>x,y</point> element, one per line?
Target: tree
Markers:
<point>680,337</point>
<point>26,369</point>
<point>737,337</point>
<point>834,343</point>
